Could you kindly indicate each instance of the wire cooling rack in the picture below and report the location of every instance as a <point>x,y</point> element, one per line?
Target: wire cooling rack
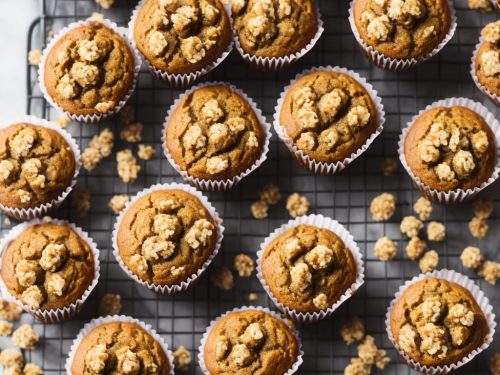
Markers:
<point>182,319</point>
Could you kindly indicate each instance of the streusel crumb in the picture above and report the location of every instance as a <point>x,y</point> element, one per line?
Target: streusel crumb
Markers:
<point>482,208</point>
<point>105,4</point>
<point>471,257</point>
<point>127,166</point>
<point>127,114</point>
<point>132,133</point>
<point>252,297</point>
<point>495,364</point>
<point>182,359</point>
<point>270,194</point>
<point>9,310</point>
<point>110,304</point>
<point>99,148</point>
<point>62,122</point>
<point>478,227</point>
<point>436,231</point>
<point>80,202</point>
<point>97,17</point>
<point>423,208</point>
<point>5,328</point>
<point>244,265</point>
<point>411,226</point>
<point>146,152</point>
<point>32,369</point>
<point>25,337</point>
<point>297,205</point>
<point>11,358</point>
<point>118,202</point>
<point>352,331</point>
<point>385,249</point>
<point>483,5</point>
<point>415,248</point>
<point>34,57</point>
<point>490,271</point>
<point>383,206</point>
<point>259,210</point>
<point>429,261</point>
<point>222,278</point>
<point>388,166</point>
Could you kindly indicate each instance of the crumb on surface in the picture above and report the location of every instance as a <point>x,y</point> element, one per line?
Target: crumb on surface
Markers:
<point>478,227</point>
<point>127,166</point>
<point>244,265</point>
<point>96,16</point>
<point>415,248</point>
<point>252,297</point>
<point>423,208</point>
<point>429,261</point>
<point>385,249</point>
<point>32,369</point>
<point>482,208</point>
<point>182,358</point>
<point>383,206</point>
<point>99,148</point>
<point>297,205</point>
<point>5,328</point>
<point>117,202</point>
<point>494,363</point>
<point>25,337</point>
<point>471,257</point>
<point>132,133</point>
<point>222,278</point>
<point>62,122</point>
<point>436,231</point>
<point>259,210</point>
<point>11,358</point>
<point>110,304</point>
<point>483,5</point>
<point>105,4</point>
<point>10,310</point>
<point>352,331</point>
<point>146,152</point>
<point>34,57</point>
<point>388,166</point>
<point>411,226</point>
<point>270,194</point>
<point>80,202</point>
<point>127,114</point>
<point>490,271</point>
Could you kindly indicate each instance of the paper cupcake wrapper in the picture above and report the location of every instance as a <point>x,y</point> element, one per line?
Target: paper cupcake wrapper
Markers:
<point>481,300</point>
<point>183,285</point>
<point>494,97</point>
<point>398,65</point>
<point>457,195</point>
<point>43,209</point>
<point>53,315</point>
<point>94,323</point>
<point>178,81</point>
<point>337,228</point>
<point>201,350</point>
<point>304,159</point>
<point>496,5</point>
<point>276,63</point>
<point>97,117</point>
<point>217,185</point>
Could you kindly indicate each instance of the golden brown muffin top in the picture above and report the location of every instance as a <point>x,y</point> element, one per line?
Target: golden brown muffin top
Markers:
<point>89,70</point>
<point>328,115</point>
<point>488,58</point>
<point>402,29</point>
<point>36,165</point>
<point>182,36</point>
<point>119,348</point>
<point>166,236</point>
<point>214,134</point>
<point>450,148</point>
<point>48,266</point>
<point>308,268</point>
<point>437,322</point>
<point>250,342</point>
<point>274,28</point>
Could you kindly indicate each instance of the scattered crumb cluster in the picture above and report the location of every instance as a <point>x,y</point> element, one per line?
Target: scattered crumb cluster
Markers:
<point>62,122</point>
<point>34,57</point>
<point>182,359</point>
<point>99,148</point>
<point>222,278</point>
<point>482,5</point>
<point>472,258</point>
<point>297,205</point>
<point>383,206</point>
<point>388,166</point>
<point>269,195</point>
<point>105,4</point>
<point>110,304</point>
<point>80,202</point>
<point>127,166</point>
<point>495,364</point>
<point>244,265</point>
<point>482,208</point>
<point>117,202</point>
<point>146,152</point>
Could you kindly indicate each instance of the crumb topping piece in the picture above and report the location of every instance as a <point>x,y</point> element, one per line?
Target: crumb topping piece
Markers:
<point>99,148</point>
<point>436,231</point>
<point>411,226</point>
<point>482,5</point>
<point>25,337</point>
<point>423,208</point>
<point>270,194</point>
<point>471,257</point>
<point>383,207</point>
<point>132,133</point>
<point>127,166</point>
<point>429,261</point>
<point>352,331</point>
<point>110,304</point>
<point>297,205</point>
<point>80,201</point>
<point>244,265</point>
<point>222,278</point>
<point>259,210</point>
<point>146,152</point>
<point>34,57</point>
<point>489,57</point>
<point>478,227</point>
<point>117,202</point>
<point>11,358</point>
<point>10,310</point>
<point>385,249</point>
<point>415,248</point>
<point>182,358</point>
<point>482,208</point>
<point>490,271</point>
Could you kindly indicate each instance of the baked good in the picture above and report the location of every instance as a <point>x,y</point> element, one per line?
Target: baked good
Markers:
<point>308,268</point>
<point>214,134</point>
<point>166,236</point>
<point>89,70</point>
<point>437,322</point>
<point>487,62</point>
<point>450,148</point>
<point>248,342</point>
<point>48,266</point>
<point>36,165</point>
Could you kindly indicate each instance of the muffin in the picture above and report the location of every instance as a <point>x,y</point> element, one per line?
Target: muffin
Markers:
<point>88,71</point>
<point>214,136</point>
<point>249,341</point>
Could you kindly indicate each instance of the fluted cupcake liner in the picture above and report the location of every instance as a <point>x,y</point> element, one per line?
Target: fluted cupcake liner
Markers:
<point>337,228</point>
<point>53,315</point>
<point>494,97</point>
<point>495,4</point>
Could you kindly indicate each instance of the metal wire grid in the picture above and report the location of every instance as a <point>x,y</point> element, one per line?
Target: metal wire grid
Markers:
<point>182,319</point>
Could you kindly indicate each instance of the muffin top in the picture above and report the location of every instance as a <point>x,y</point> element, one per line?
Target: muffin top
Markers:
<point>402,29</point>
<point>250,342</point>
<point>308,268</point>
<point>274,28</point>
<point>437,322</point>
<point>89,70</point>
<point>450,148</point>
<point>119,348</point>
<point>166,236</point>
<point>214,134</point>
<point>36,165</point>
<point>48,266</point>
<point>487,63</point>
<point>328,115</point>
<point>182,36</point>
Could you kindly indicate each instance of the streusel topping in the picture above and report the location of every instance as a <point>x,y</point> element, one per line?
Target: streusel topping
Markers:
<point>489,57</point>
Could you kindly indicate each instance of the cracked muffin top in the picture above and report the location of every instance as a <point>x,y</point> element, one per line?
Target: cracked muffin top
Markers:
<point>308,268</point>
<point>437,322</point>
<point>48,266</point>
<point>328,115</point>
<point>402,29</point>
<point>36,165</point>
<point>250,342</point>
<point>166,236</point>
<point>450,148</point>
<point>274,28</point>
<point>119,348</point>
<point>487,64</point>
<point>89,70</point>
<point>182,36</point>
<point>214,134</point>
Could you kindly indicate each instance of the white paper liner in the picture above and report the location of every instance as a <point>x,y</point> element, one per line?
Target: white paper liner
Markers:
<point>201,350</point>
<point>183,285</point>
<point>496,5</point>
<point>179,81</point>
<point>494,97</point>
<point>398,65</point>
<point>97,117</point>
<point>53,315</point>
<point>457,195</point>
<point>43,209</point>
<point>337,228</point>
<point>479,297</point>
<point>304,159</point>
<point>94,323</point>
<point>217,185</point>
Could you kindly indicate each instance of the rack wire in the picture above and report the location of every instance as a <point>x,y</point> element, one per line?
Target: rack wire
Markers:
<point>182,319</point>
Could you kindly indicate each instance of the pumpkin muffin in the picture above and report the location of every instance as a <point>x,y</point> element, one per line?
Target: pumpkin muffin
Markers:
<point>119,348</point>
<point>166,236</point>
<point>450,148</point>
<point>308,268</point>
<point>181,36</point>
<point>250,341</point>
<point>89,70</point>
<point>437,322</point>
<point>487,62</point>
<point>214,134</point>
<point>36,165</point>
<point>48,266</point>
